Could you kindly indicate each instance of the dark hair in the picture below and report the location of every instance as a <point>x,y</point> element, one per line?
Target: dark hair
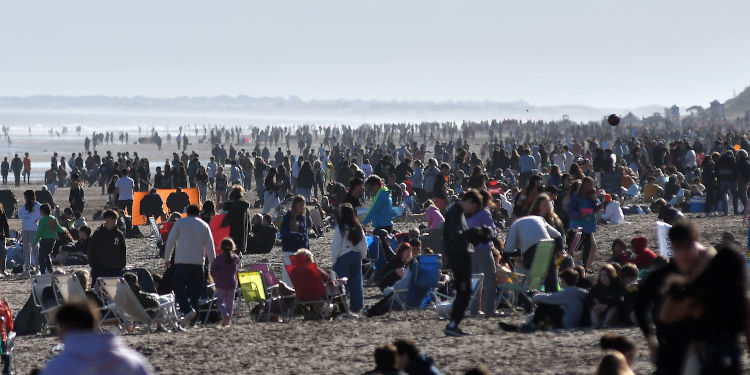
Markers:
<point>85,229</point>
<point>77,316</point>
<point>355,182</point>
<point>683,232</point>
<point>30,197</point>
<point>374,180</point>
<point>618,241</point>
<point>408,347</point>
<point>228,248</point>
<point>628,270</point>
<point>611,341</point>
<point>348,220</point>
<point>474,196</point>
<point>193,210</point>
<point>385,357</point>
<point>110,214</point>
<point>570,277</point>
<point>45,209</point>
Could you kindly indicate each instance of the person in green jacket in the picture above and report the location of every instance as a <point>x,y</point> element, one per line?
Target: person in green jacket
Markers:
<point>46,235</point>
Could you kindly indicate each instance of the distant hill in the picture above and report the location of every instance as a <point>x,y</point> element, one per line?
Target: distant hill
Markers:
<point>294,109</point>
<point>738,105</point>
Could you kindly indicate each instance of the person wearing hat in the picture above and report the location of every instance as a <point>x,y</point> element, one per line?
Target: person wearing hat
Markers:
<point>612,211</point>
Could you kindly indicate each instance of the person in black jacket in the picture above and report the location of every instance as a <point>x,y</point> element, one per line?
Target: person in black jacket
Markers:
<point>305,180</point>
<point>107,251</point>
<point>726,174</point>
<point>743,170</point>
<point>75,197</point>
<point>457,242</point>
<point>178,201</point>
<point>708,177</point>
<point>411,361</point>
<point>152,205</point>
<point>4,233</point>
<point>238,218</point>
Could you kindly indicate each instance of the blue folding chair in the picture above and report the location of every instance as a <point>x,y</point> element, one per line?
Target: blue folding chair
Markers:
<point>424,279</point>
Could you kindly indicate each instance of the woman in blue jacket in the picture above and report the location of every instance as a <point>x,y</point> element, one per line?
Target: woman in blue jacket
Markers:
<point>381,212</point>
<point>294,234</point>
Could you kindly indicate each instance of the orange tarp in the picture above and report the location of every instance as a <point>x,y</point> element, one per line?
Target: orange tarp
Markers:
<point>139,219</point>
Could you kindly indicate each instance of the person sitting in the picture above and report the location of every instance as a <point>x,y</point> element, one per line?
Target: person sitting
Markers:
<point>85,280</point>
<point>621,344</point>
<point>643,255</point>
<point>262,235</point>
<point>524,235</point>
<point>612,211</point>
<point>620,252</point>
<point>629,280</point>
<point>432,214</point>
<point>667,213</point>
<point>89,352</point>
<point>393,271</point>
<point>147,300</point>
<point>605,298</point>
<point>563,309</point>
<point>652,191</point>
<point>178,201</point>
<point>385,361</point>
<point>152,205</point>
<point>411,361</point>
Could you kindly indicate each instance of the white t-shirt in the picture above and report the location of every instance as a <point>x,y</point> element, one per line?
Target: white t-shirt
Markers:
<point>125,186</point>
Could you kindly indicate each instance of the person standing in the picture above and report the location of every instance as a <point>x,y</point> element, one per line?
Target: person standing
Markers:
<point>238,218</point>
<point>46,235</point>
<point>26,168</point>
<point>124,187</point>
<point>582,210</point>
<point>294,234</point>
<point>224,272</point>
<point>107,251</point>
<point>16,165</point>
<point>50,179</point>
<point>457,242</point>
<point>191,241</point>
<point>4,233</point>
<point>75,196</point>
<point>29,215</point>
<point>381,212</point>
<point>482,260</point>
<point>4,169</point>
<point>348,249</point>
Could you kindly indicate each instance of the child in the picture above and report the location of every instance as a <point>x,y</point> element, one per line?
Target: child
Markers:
<point>620,253</point>
<point>605,298</point>
<point>224,273</point>
<point>434,218</point>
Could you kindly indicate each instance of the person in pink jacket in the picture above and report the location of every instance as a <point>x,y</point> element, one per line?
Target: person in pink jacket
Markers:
<point>224,272</point>
<point>434,218</point>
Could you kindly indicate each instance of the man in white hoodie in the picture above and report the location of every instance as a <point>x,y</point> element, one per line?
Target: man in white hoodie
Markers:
<point>88,352</point>
<point>191,240</point>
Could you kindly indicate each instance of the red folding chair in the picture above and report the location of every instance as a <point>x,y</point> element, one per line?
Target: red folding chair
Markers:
<point>309,288</point>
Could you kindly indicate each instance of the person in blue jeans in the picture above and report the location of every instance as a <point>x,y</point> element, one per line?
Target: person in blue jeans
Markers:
<point>348,249</point>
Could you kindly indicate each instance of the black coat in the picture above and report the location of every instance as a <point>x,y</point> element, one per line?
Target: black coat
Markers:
<point>238,219</point>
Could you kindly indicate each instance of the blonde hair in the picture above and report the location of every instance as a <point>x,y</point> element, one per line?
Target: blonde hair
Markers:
<point>307,253</point>
<point>552,218</point>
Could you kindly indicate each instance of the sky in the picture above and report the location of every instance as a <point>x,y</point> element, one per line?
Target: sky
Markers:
<point>595,52</point>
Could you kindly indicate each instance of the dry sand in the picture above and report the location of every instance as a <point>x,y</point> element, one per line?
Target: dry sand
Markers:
<point>346,346</point>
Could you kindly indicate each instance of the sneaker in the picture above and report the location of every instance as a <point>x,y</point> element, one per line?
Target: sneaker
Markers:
<point>349,315</point>
<point>455,332</point>
<point>187,319</point>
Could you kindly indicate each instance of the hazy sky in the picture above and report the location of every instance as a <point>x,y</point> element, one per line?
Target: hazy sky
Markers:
<point>596,52</point>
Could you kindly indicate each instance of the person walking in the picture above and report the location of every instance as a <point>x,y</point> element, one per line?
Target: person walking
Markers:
<point>26,168</point>
<point>457,242</point>
<point>482,260</point>
<point>16,165</point>
<point>191,241</point>
<point>29,215</point>
<point>348,249</point>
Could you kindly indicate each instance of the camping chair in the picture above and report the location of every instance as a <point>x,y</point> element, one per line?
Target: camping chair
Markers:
<point>68,289</point>
<point>154,238</point>
<point>476,294</point>
<point>127,309</point>
<point>318,224</point>
<point>375,257</point>
<point>271,289</point>
<point>424,279</point>
<point>309,288</point>
<point>532,279</point>
<point>38,284</point>
<point>251,286</point>
<point>208,304</point>
<point>575,244</point>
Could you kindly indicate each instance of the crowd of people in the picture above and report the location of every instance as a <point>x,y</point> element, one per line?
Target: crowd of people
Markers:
<point>490,203</point>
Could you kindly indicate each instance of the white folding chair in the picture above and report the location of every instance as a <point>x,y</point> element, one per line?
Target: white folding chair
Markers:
<point>127,309</point>
<point>38,284</point>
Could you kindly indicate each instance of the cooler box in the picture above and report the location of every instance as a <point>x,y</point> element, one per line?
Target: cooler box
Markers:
<point>697,205</point>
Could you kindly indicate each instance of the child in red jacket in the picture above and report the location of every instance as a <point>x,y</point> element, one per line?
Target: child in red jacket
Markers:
<point>643,255</point>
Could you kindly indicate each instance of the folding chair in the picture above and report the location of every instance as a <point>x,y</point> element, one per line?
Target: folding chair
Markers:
<point>309,288</point>
<point>375,257</point>
<point>476,295</point>
<point>318,223</point>
<point>154,238</point>
<point>532,279</point>
<point>208,304</point>
<point>271,289</point>
<point>127,309</point>
<point>251,286</point>
<point>38,284</point>
<point>424,279</point>
<point>575,244</point>
<point>67,289</point>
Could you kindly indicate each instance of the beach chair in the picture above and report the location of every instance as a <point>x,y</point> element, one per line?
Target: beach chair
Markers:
<point>525,280</point>
<point>443,308</point>
<point>127,309</point>
<point>271,289</point>
<point>68,289</point>
<point>47,309</point>
<point>424,279</point>
<point>154,238</point>
<point>318,224</point>
<point>208,304</point>
<point>253,291</point>
<point>309,288</point>
<point>375,257</point>
<point>575,244</point>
